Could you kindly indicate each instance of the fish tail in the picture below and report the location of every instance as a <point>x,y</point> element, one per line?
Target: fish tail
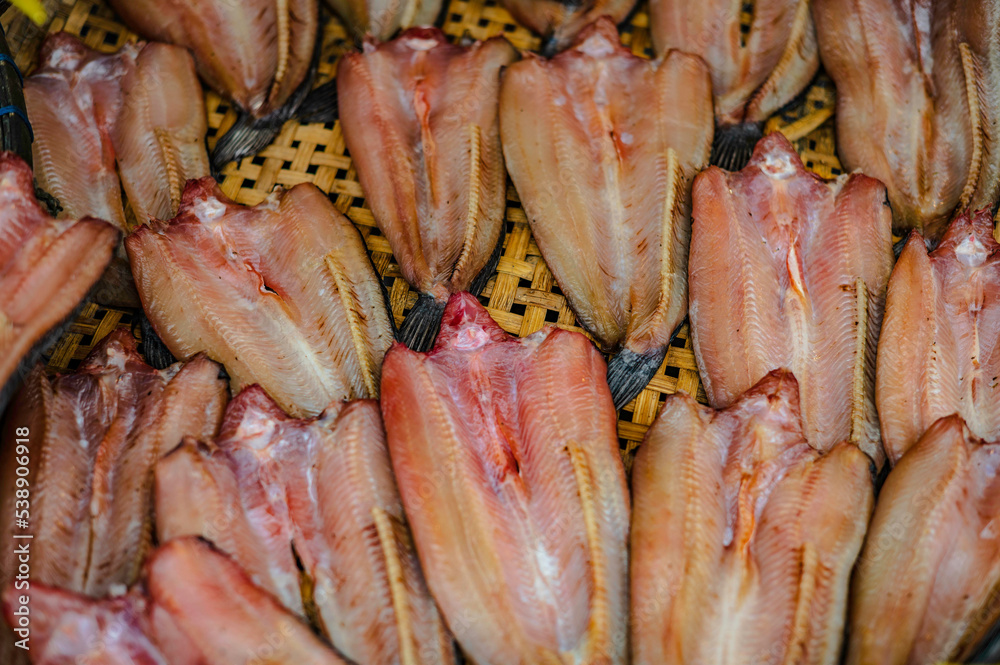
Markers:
<point>320,105</point>
<point>153,349</point>
<point>733,145</point>
<point>420,328</point>
<point>629,372</point>
<point>550,45</point>
<point>479,283</point>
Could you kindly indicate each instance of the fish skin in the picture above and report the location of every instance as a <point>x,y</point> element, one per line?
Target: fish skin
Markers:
<point>159,137</point>
<point>514,488</point>
<point>381,19</point>
<point>739,555</point>
<point>254,53</point>
<point>68,628</point>
<point>788,270</point>
<point>283,293</point>
<point>912,110</point>
<point>419,117</point>
<point>622,197</point>
<point>938,351</point>
<point>74,99</point>
<point>560,22</point>
<point>47,266</point>
<point>323,487</point>
<point>935,526</point>
<point>751,82</point>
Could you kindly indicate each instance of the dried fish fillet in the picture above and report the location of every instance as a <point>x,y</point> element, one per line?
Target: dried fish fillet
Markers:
<point>938,350</point>
<point>743,536</point>
<point>758,62</point>
<point>195,607</point>
<point>47,266</point>
<point>506,455</point>
<point>95,436</point>
<point>74,99</point>
<point>918,101</point>
<point>419,117</point>
<point>257,53</point>
<point>935,527</point>
<point>559,21</point>
<point>602,146</point>
<point>788,270</point>
<point>159,136</point>
<point>283,293</point>
<point>273,489</point>
<point>381,19</point>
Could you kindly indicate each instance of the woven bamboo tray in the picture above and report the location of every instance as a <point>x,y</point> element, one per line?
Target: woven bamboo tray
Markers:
<point>522,297</point>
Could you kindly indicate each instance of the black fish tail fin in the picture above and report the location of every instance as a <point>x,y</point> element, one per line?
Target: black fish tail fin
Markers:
<point>629,372</point>
<point>483,278</point>
<point>320,105</point>
<point>247,136</point>
<point>733,145</point>
<point>550,45</point>
<point>153,349</point>
<point>421,325</point>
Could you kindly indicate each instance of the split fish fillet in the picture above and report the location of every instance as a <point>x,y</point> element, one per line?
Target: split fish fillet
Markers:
<point>788,270</point>
<point>159,137</point>
<point>381,19</point>
<point>743,536</point>
<point>322,487</point>
<point>93,439</point>
<point>47,265</point>
<point>194,607</point>
<point>419,117</point>
<point>602,146</point>
<point>936,530</point>
<point>283,293</point>
<point>754,72</point>
<point>939,350</point>
<point>74,99</point>
<point>918,100</point>
<point>506,455</point>
<point>559,21</point>
<point>254,52</point>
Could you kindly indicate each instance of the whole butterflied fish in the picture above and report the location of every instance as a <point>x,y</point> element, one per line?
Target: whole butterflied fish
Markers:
<point>918,101</point>
<point>743,535</point>
<point>939,350</point>
<point>90,441</point>
<point>194,606</point>
<point>419,117</point>
<point>926,586</point>
<point>283,294</point>
<point>47,266</point>
<point>506,455</point>
<point>381,19</point>
<point>271,490</point>
<point>138,113</point>
<point>788,270</point>
<point>559,21</point>
<point>602,146</point>
<point>759,62</point>
<point>258,54</point>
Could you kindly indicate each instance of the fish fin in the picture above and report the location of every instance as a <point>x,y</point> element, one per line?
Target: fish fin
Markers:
<point>420,328</point>
<point>972,92</point>
<point>483,278</point>
<point>320,105</point>
<point>389,542</point>
<point>733,145</point>
<point>49,202</point>
<point>248,136</point>
<point>629,372</point>
<point>550,45</point>
<point>153,349</point>
<point>355,323</point>
<point>897,247</point>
